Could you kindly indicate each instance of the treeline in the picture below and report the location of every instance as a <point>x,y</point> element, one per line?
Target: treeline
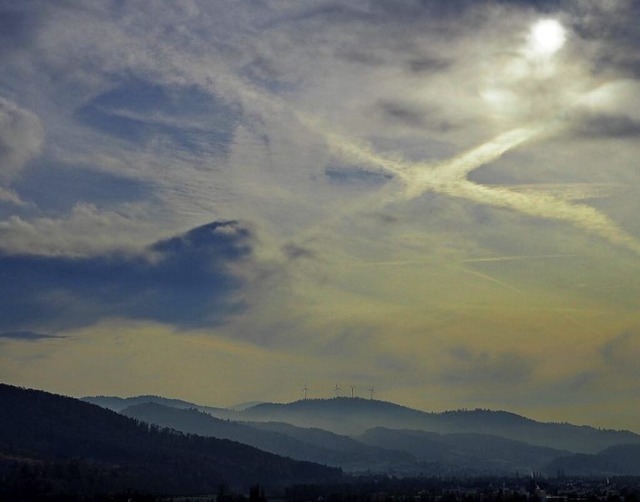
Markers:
<point>76,480</point>
<point>379,488</point>
<point>32,480</point>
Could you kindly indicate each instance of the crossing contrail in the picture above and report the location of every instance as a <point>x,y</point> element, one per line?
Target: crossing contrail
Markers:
<point>448,177</point>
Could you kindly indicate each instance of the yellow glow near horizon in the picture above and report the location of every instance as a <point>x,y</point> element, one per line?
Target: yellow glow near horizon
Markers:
<point>547,37</point>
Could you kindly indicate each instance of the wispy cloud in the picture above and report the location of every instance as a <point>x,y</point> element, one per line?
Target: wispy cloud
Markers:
<point>21,137</point>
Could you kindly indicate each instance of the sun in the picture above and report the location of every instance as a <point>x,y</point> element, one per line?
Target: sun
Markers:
<point>547,37</point>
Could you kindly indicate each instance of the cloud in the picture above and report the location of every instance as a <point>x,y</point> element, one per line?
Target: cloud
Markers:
<point>355,176</point>
<point>621,352</point>
<point>187,281</point>
<point>428,65</point>
<point>403,113</point>
<point>295,252</point>
<point>84,230</point>
<point>29,336</point>
<point>21,137</point>
<point>9,196</point>
<point>608,126</point>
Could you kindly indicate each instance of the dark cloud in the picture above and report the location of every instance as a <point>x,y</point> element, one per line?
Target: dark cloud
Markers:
<point>402,112</point>
<point>428,65</point>
<point>453,9</point>
<point>265,73</point>
<point>341,174</point>
<point>622,350</point>
<point>295,252</point>
<point>385,218</point>
<point>360,55</point>
<point>185,281</point>
<point>334,12</point>
<point>414,115</point>
<point>26,335</point>
<point>616,30</point>
<point>413,8</point>
<point>607,126</point>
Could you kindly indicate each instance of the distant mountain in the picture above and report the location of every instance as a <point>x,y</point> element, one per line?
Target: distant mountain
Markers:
<point>120,403</point>
<point>340,415</point>
<point>301,444</point>
<point>353,416</point>
<point>479,454</point>
<point>614,461</point>
<point>51,444</point>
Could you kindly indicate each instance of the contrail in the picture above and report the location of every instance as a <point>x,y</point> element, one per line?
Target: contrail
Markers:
<point>582,325</point>
<point>492,279</point>
<point>392,263</point>
<point>545,206</point>
<point>442,175</point>
<point>518,258</point>
<point>448,177</point>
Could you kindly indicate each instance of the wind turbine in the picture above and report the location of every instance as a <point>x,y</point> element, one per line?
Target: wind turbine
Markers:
<point>305,389</point>
<point>352,387</point>
<point>372,392</point>
<point>337,390</point>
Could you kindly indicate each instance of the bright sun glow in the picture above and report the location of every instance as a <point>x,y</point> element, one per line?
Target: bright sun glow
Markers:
<point>547,37</point>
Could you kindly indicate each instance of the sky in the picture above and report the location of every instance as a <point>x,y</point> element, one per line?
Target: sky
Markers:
<point>229,200</point>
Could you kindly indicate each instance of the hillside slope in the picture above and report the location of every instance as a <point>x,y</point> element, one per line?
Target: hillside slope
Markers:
<point>301,444</point>
<point>48,431</point>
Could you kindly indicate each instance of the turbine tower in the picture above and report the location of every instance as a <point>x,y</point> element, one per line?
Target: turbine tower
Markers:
<point>337,390</point>
<point>372,392</point>
<point>305,389</point>
<point>352,387</point>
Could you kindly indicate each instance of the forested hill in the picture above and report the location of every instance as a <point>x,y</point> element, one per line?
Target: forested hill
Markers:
<point>56,443</point>
<point>313,445</point>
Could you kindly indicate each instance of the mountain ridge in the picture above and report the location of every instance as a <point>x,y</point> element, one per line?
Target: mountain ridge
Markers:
<point>314,445</point>
<point>353,416</point>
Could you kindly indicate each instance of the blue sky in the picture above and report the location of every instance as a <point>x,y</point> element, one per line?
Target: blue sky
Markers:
<point>222,201</point>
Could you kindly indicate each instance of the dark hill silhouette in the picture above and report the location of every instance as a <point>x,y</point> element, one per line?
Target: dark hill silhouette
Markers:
<point>301,444</point>
<point>106,450</point>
